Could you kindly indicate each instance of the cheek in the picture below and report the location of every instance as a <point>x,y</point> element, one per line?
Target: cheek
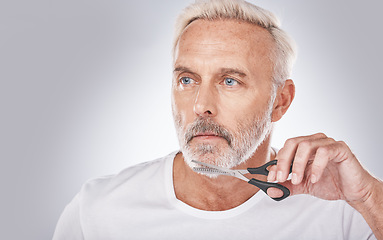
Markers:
<point>236,103</point>
<point>245,107</point>
<point>179,112</point>
<point>182,104</point>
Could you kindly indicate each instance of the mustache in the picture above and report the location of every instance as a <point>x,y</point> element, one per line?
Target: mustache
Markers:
<point>203,125</point>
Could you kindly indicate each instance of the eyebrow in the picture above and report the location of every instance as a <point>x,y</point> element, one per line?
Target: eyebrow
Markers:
<point>232,71</point>
<point>182,69</point>
<point>222,71</point>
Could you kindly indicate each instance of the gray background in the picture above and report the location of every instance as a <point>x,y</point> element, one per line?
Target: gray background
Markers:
<point>85,91</point>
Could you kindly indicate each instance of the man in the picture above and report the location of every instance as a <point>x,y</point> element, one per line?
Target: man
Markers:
<point>231,82</point>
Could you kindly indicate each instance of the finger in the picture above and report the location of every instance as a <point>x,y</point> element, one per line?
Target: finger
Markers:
<point>271,177</point>
<point>323,155</point>
<point>286,155</point>
<point>306,151</point>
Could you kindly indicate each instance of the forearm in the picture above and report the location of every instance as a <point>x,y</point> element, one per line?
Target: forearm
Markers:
<point>371,208</point>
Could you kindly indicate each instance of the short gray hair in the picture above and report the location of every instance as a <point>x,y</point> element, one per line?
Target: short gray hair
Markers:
<point>284,53</point>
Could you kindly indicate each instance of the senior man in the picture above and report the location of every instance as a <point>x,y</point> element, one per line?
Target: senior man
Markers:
<point>230,83</point>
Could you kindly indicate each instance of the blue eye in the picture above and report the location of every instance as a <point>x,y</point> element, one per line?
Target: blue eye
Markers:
<point>186,80</point>
<point>230,82</point>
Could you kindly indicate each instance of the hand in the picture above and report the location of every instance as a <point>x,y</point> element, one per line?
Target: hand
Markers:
<point>322,167</point>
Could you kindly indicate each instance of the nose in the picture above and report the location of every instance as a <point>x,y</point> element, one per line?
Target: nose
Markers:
<point>205,102</point>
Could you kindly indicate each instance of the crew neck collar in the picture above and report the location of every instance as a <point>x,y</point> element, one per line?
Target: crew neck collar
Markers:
<point>169,181</point>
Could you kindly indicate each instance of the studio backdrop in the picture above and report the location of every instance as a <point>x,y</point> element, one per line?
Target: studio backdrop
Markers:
<point>85,92</point>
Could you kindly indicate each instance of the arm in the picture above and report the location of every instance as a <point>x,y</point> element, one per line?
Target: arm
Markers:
<point>371,209</point>
<point>327,169</point>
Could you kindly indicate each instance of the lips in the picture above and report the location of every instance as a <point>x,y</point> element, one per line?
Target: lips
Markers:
<point>207,136</point>
<point>206,129</point>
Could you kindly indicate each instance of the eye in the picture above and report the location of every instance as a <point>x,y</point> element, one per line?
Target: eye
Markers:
<point>186,80</point>
<point>230,82</point>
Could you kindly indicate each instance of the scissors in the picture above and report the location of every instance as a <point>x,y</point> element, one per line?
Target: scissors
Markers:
<point>239,173</point>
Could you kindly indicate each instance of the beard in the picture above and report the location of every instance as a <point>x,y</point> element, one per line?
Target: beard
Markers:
<point>241,144</point>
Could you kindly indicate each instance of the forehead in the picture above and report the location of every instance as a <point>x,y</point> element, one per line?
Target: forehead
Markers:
<point>236,42</point>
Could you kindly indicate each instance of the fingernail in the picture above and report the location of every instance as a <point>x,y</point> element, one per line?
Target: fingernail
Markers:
<point>313,178</point>
<point>294,178</point>
<point>271,176</point>
<point>279,176</point>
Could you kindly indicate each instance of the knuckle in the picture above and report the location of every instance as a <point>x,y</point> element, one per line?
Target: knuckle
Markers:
<point>290,142</point>
<point>323,151</point>
<point>299,165</point>
<point>342,144</point>
<point>316,167</point>
<point>281,154</point>
<point>320,135</point>
<point>282,161</point>
<point>305,144</point>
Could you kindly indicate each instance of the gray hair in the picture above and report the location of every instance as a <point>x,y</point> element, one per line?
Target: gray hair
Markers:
<point>284,53</point>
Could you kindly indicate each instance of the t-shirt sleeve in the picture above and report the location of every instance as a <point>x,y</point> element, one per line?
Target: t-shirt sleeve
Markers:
<point>355,226</point>
<point>69,224</point>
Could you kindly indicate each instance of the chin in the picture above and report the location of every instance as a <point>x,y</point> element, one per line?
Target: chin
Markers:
<point>218,157</point>
<point>207,158</point>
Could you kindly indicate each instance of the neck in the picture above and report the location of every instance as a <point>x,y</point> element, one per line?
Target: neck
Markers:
<point>221,193</point>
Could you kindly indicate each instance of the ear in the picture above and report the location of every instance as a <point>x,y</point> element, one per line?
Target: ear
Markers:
<point>283,100</point>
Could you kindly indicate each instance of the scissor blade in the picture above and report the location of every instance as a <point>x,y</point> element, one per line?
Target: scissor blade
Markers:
<point>212,166</point>
<point>210,171</point>
<point>222,171</point>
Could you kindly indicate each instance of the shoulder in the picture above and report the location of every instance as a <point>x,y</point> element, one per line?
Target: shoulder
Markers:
<point>113,196</point>
<point>129,180</point>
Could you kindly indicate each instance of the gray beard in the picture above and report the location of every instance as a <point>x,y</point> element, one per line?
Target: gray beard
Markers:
<point>241,145</point>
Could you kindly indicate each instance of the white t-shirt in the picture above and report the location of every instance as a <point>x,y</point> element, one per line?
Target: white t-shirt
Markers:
<point>140,203</point>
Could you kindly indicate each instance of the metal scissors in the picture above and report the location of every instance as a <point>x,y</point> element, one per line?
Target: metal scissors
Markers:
<point>239,173</point>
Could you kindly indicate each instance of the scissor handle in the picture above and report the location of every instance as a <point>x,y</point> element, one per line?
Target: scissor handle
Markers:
<point>266,185</point>
<point>262,170</point>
